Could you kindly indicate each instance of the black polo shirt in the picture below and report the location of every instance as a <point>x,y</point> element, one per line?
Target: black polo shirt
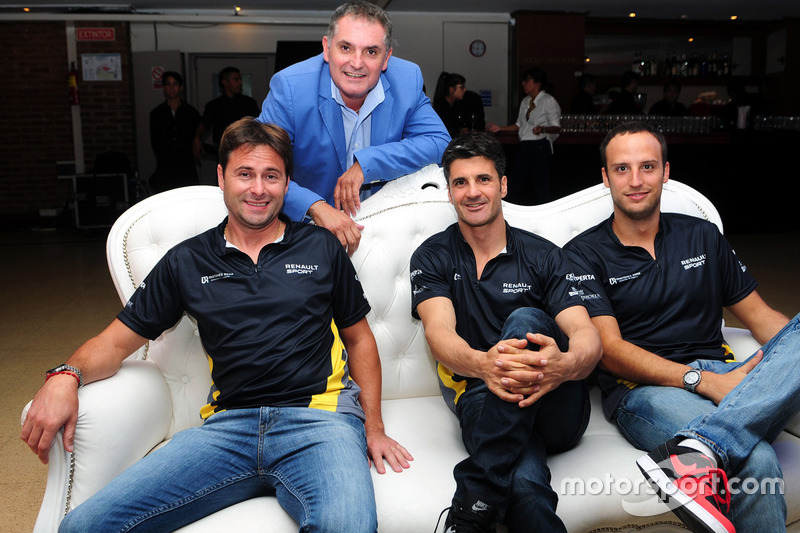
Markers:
<point>671,305</point>
<point>530,272</point>
<point>266,327</point>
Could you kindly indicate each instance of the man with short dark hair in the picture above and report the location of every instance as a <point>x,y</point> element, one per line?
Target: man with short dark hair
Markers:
<point>623,102</point>
<point>225,109</point>
<point>669,106</point>
<point>172,127</point>
<point>583,103</point>
<point>513,343</point>
<point>655,284</point>
<point>357,118</point>
<point>294,408</point>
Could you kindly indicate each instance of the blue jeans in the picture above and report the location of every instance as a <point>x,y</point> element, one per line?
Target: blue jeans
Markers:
<point>314,461</point>
<point>508,446</point>
<point>739,429</point>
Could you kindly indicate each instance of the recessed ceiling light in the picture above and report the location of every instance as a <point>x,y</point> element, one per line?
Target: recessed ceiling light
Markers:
<point>632,15</point>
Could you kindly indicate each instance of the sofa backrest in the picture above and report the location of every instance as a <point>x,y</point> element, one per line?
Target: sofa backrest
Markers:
<point>409,210</point>
<point>396,220</point>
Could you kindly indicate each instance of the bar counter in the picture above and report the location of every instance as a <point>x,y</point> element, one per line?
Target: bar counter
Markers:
<point>749,175</point>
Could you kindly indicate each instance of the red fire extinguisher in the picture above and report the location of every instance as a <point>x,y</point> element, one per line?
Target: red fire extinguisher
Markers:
<point>72,83</point>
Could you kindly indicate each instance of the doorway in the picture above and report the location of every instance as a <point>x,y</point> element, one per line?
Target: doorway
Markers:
<point>256,69</point>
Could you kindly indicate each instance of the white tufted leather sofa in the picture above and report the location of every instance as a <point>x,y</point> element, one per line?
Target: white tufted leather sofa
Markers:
<point>160,389</point>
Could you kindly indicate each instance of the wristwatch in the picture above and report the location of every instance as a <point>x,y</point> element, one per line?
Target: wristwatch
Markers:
<point>67,368</point>
<point>691,379</point>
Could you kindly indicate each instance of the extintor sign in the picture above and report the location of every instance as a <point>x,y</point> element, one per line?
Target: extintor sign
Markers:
<point>94,34</point>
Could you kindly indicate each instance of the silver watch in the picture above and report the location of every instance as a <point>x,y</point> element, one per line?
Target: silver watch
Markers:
<point>691,379</point>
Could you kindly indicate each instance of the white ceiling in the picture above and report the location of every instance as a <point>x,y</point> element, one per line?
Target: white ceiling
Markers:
<point>654,9</point>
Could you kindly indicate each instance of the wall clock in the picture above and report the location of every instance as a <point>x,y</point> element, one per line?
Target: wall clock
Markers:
<point>477,48</point>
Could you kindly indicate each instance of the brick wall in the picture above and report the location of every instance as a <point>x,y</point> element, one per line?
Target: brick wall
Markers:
<point>107,106</point>
<point>37,118</point>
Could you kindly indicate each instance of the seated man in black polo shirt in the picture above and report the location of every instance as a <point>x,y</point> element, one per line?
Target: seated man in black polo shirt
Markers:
<point>513,344</point>
<point>284,416</point>
<point>655,284</point>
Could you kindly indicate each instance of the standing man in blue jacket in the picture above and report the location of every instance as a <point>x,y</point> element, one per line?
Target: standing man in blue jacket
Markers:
<point>357,118</point>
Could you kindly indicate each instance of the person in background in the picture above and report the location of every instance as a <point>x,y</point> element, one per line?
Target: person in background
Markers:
<point>538,125</point>
<point>357,117</point>
<point>450,90</point>
<point>583,103</point>
<point>472,111</point>
<point>669,106</point>
<point>172,128</point>
<point>223,110</point>
<point>624,101</point>
<point>742,107</point>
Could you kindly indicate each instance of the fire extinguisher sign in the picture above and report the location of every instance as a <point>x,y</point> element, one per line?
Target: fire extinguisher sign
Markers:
<point>158,77</point>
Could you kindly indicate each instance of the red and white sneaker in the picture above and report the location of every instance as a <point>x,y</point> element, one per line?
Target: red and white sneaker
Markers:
<point>690,483</point>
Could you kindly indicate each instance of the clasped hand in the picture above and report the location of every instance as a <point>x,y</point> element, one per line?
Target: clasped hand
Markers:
<point>523,376</point>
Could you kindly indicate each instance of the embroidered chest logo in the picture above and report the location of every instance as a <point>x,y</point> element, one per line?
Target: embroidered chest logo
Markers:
<point>694,262</point>
<point>215,277</point>
<point>292,268</point>
<point>514,288</point>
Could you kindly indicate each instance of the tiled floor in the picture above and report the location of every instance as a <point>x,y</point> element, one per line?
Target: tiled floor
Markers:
<point>55,292</point>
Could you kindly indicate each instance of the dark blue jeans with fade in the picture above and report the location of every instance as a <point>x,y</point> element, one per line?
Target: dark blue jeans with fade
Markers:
<point>508,445</point>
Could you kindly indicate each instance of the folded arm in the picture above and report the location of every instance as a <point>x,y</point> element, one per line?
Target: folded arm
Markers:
<point>501,368</point>
<point>557,367</point>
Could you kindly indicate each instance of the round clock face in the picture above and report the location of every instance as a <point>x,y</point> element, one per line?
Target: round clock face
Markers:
<point>477,48</point>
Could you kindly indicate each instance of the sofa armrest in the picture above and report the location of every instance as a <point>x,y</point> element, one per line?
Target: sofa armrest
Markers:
<point>120,419</point>
<point>741,342</point>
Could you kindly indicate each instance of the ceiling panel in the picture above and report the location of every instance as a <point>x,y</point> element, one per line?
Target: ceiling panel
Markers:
<point>674,9</point>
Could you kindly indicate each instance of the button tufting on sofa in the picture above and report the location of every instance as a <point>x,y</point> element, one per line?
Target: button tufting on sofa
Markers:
<point>137,408</point>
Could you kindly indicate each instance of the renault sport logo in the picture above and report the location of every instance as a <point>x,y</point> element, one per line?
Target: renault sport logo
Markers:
<point>292,268</point>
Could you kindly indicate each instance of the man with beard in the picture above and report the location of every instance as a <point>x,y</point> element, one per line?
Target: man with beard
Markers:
<point>655,284</point>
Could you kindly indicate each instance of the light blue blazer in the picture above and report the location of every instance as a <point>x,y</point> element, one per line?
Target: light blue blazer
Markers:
<point>407,134</point>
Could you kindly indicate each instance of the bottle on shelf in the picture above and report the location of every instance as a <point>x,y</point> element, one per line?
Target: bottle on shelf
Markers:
<point>683,65</point>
